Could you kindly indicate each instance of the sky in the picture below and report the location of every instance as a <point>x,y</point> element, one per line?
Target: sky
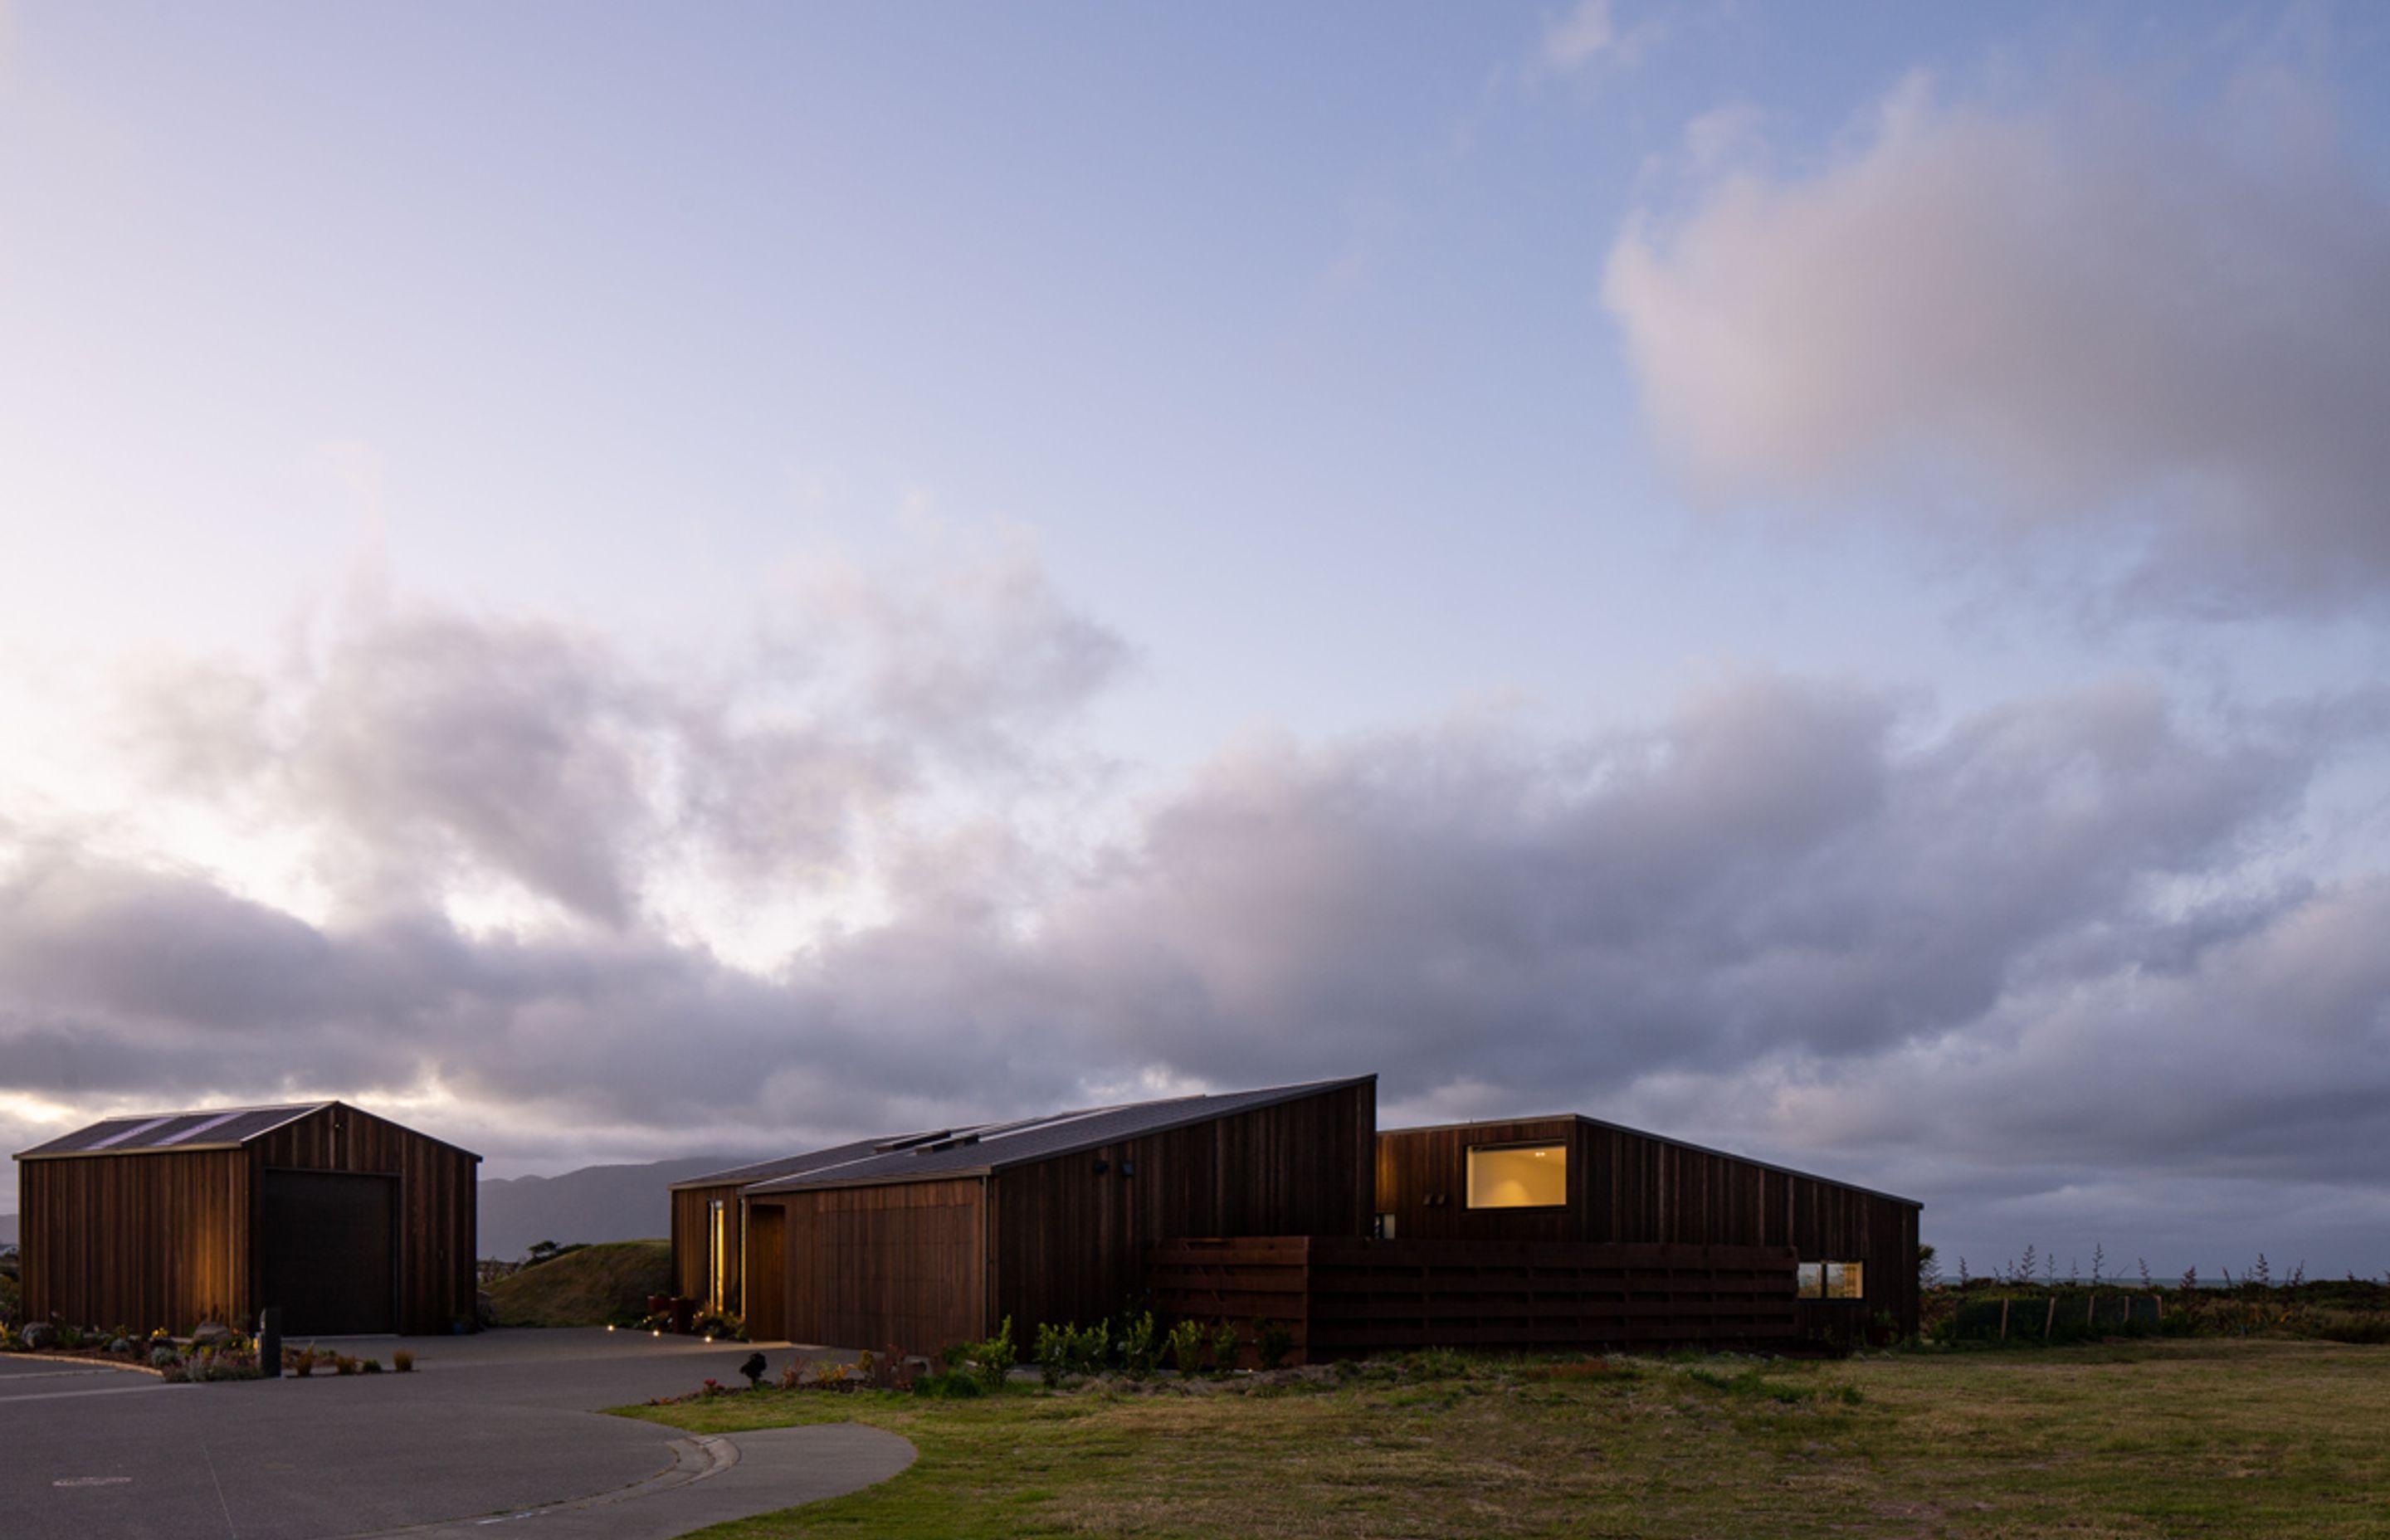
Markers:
<point>622,582</point>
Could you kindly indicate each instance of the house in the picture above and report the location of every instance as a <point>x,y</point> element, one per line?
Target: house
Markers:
<point>346,1221</point>
<point>1287,1204</point>
<point>1580,1180</point>
<point>935,1236</point>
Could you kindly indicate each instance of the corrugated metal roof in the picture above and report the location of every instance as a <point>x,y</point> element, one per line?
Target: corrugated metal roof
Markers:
<point>993,1146</point>
<point>790,1165</point>
<point>212,1128</point>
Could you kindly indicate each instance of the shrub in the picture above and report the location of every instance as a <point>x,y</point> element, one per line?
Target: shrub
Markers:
<point>990,1360</point>
<point>1224,1348</point>
<point>1273,1341</point>
<point>371,1365</point>
<point>1137,1348</point>
<point>343,1364</point>
<point>403,1361</point>
<point>1189,1342</point>
<point>1053,1352</point>
<point>302,1362</point>
<point>164,1357</point>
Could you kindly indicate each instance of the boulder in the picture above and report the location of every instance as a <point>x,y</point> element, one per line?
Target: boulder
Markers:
<point>210,1334</point>
<point>39,1336</point>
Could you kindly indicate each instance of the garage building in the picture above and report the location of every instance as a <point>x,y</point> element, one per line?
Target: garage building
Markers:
<point>348,1222</point>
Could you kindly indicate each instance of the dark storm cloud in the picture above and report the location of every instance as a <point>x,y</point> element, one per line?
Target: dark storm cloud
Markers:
<point>2032,950</point>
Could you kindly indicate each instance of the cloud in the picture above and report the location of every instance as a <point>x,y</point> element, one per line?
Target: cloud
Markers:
<point>1571,41</point>
<point>1799,915</point>
<point>2083,320</point>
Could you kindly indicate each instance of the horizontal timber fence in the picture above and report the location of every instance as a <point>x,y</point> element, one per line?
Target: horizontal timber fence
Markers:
<point>1337,1297</point>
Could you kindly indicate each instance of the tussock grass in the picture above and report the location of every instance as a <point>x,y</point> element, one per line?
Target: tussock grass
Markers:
<point>2194,1438</point>
<point>588,1287</point>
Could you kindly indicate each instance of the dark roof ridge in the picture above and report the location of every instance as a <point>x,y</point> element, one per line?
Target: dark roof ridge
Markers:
<point>966,1159</point>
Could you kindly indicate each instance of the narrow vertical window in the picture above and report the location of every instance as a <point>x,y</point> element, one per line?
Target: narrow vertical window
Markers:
<point>717,1223</point>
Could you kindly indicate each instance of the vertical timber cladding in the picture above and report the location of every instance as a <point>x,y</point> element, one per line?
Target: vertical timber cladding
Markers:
<point>1631,1187</point>
<point>432,1198</point>
<point>764,1285</point>
<point>897,1265</point>
<point>693,1247</point>
<point>135,1240</point>
<point>1072,1242</point>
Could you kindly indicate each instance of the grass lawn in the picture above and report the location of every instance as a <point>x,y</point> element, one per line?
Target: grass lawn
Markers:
<point>2177,1438</point>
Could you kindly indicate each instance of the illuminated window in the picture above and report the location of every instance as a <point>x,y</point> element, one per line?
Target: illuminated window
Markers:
<point>1518,1176</point>
<point>1384,1227</point>
<point>717,1223</point>
<point>1831,1280</point>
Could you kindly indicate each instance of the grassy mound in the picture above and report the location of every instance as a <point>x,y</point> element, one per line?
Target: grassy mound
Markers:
<point>586,1287</point>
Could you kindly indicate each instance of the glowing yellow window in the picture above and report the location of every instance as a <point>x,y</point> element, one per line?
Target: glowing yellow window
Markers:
<point>1518,1176</point>
<point>1844,1280</point>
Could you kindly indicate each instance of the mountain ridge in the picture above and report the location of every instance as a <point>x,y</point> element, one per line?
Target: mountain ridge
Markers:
<point>594,1204</point>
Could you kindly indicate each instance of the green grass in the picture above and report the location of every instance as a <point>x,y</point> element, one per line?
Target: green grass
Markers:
<point>2195,1438</point>
<point>587,1286</point>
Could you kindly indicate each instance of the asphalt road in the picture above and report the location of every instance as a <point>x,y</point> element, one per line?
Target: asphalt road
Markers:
<point>502,1423</point>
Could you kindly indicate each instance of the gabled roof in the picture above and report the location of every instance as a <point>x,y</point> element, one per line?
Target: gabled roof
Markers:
<point>147,1132</point>
<point>995,1145</point>
<point>1658,1138</point>
<point>209,1128</point>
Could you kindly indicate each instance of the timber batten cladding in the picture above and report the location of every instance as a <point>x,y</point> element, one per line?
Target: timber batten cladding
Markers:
<point>347,1221</point>
<point>1337,1297</point>
<point>933,1239</point>
<point>1627,1187</point>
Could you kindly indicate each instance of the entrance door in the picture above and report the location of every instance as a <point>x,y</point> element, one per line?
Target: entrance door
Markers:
<point>326,1246</point>
<point>765,1291</point>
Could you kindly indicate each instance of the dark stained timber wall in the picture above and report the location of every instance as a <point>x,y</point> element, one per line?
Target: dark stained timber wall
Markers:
<point>900,1265</point>
<point>437,1216</point>
<point>1628,1186</point>
<point>1072,1240</point>
<point>691,1246</point>
<point>171,1238</point>
<point>135,1240</point>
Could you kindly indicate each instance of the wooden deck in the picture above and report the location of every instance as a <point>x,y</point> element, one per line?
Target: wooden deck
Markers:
<point>1339,1298</point>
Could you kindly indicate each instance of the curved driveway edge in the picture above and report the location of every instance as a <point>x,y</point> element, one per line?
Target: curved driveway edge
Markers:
<point>714,1478</point>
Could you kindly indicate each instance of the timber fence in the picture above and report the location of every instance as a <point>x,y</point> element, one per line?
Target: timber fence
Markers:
<point>1336,1297</point>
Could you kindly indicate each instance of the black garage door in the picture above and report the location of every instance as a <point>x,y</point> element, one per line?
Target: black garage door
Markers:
<point>325,1247</point>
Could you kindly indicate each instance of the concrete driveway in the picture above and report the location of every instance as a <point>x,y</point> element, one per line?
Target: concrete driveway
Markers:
<point>498,1424</point>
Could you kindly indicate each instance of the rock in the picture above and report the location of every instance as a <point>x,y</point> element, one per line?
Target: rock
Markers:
<point>39,1336</point>
<point>210,1333</point>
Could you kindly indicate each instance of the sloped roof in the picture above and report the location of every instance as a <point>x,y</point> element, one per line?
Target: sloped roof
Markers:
<point>787,1166</point>
<point>995,1145</point>
<point>144,1133</point>
<point>1665,1139</point>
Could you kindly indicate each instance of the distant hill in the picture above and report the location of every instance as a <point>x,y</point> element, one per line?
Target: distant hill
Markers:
<point>585,1288</point>
<point>592,1204</point>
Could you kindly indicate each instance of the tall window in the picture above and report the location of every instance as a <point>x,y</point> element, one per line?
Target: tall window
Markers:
<point>1518,1176</point>
<point>717,1251</point>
